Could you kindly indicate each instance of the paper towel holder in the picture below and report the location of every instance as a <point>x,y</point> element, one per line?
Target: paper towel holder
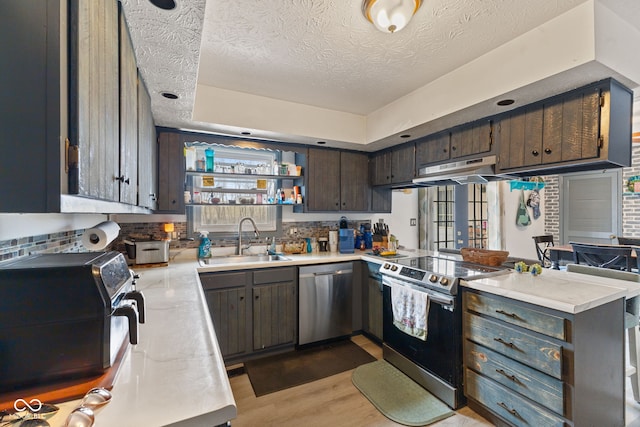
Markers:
<point>92,237</point>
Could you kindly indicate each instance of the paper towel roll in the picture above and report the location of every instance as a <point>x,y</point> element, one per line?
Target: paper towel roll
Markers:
<point>99,236</point>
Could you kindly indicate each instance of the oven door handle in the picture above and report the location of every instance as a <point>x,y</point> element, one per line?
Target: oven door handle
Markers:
<point>433,296</point>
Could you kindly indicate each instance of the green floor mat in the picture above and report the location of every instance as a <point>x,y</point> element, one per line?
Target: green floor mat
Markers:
<point>397,396</point>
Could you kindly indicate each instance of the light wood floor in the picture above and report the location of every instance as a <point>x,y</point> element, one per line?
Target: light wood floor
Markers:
<point>334,401</point>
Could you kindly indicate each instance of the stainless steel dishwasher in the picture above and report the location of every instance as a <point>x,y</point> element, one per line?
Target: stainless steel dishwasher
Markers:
<point>325,302</point>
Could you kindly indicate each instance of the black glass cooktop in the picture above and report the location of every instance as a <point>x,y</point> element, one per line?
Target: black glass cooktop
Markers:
<point>448,267</point>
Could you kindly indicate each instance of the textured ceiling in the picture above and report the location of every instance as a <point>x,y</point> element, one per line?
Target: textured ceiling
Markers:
<point>317,52</point>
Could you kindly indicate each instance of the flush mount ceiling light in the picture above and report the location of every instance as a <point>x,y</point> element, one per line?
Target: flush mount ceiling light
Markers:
<point>390,16</point>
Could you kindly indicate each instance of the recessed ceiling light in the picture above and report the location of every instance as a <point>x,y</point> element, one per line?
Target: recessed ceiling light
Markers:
<point>164,4</point>
<point>169,95</point>
<point>505,102</point>
<point>245,133</point>
<point>321,142</point>
<point>405,136</point>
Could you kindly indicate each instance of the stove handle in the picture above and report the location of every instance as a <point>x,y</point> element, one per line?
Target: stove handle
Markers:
<point>130,313</point>
<point>139,299</point>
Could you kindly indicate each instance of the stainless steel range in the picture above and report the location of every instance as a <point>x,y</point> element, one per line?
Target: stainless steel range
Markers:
<point>434,362</point>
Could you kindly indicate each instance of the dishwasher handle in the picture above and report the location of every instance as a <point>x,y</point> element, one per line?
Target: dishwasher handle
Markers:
<point>333,273</point>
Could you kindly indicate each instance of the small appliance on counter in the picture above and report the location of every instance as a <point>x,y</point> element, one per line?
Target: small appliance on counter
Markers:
<point>65,316</point>
<point>147,251</point>
<point>346,237</point>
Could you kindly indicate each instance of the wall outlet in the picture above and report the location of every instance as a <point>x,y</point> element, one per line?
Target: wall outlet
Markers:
<point>413,222</point>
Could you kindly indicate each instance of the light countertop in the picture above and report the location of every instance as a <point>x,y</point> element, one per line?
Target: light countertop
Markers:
<point>302,259</point>
<point>558,290</point>
<point>175,375</point>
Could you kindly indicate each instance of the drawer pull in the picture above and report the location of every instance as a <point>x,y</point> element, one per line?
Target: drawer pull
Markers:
<point>512,315</point>
<point>511,411</point>
<point>508,344</point>
<point>511,377</point>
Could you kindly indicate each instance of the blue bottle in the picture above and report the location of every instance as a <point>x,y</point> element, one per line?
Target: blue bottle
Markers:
<point>208,152</point>
<point>204,250</point>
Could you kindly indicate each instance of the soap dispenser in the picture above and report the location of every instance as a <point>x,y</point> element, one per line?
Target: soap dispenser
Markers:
<point>204,250</point>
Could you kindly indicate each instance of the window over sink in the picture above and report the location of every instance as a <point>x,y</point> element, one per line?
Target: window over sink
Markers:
<point>224,184</point>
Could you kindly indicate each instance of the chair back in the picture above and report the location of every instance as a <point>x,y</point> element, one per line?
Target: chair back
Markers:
<point>542,248</point>
<point>628,241</point>
<point>603,256</point>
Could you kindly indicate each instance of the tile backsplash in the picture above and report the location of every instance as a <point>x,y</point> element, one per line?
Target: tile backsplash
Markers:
<point>70,241</point>
<point>64,241</point>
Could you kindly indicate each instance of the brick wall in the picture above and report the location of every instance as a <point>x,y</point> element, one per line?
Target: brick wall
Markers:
<point>552,206</point>
<point>631,202</point>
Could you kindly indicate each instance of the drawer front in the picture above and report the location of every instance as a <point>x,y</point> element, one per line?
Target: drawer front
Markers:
<point>274,275</point>
<point>540,354</point>
<point>516,314</point>
<point>535,385</point>
<point>513,408</point>
<point>222,280</point>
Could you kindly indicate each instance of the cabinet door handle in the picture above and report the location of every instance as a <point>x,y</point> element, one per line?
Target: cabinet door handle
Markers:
<point>511,377</point>
<point>122,179</point>
<point>511,315</point>
<point>547,150</point>
<point>508,344</point>
<point>511,411</point>
<point>241,298</point>
<point>535,152</point>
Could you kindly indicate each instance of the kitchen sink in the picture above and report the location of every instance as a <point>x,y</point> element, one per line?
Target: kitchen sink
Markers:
<point>237,259</point>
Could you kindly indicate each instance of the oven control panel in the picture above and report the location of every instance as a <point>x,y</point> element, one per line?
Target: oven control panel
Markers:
<point>412,274</point>
<point>419,277</point>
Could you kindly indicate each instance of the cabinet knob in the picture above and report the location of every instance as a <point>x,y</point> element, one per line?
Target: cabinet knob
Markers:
<point>535,152</point>
<point>444,150</point>
<point>547,150</point>
<point>453,148</point>
<point>173,202</point>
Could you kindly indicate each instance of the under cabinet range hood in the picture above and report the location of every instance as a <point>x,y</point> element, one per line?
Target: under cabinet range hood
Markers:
<point>474,171</point>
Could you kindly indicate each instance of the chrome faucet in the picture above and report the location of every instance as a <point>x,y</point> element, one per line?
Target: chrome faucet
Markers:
<point>240,249</point>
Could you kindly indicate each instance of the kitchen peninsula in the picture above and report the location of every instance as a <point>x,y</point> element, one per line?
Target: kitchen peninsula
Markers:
<point>176,375</point>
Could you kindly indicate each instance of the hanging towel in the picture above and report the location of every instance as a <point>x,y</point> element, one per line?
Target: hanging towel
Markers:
<point>410,310</point>
<point>522,216</point>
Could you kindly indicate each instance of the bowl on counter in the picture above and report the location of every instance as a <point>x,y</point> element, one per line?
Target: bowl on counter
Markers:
<point>484,256</point>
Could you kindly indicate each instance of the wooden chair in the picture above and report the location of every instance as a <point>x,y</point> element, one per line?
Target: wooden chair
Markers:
<point>603,256</point>
<point>631,318</point>
<point>542,248</point>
